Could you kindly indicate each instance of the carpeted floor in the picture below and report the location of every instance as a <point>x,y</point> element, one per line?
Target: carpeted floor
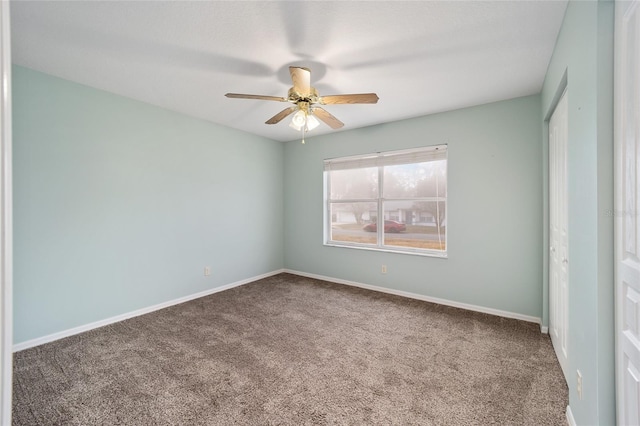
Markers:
<point>288,350</point>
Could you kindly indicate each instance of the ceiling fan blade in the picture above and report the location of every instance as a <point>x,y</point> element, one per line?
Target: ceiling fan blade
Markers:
<point>358,98</point>
<point>301,78</point>
<point>329,119</point>
<point>282,114</point>
<point>261,97</point>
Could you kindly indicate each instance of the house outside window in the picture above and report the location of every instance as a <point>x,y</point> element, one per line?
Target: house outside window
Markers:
<point>406,189</point>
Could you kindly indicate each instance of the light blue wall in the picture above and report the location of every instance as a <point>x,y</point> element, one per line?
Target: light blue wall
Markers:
<point>119,205</point>
<point>494,207</point>
<point>584,53</point>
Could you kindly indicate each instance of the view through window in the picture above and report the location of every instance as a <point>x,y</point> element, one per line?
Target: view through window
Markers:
<point>407,190</point>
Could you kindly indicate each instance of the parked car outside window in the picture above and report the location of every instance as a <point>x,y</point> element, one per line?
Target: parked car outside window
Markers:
<point>389,226</point>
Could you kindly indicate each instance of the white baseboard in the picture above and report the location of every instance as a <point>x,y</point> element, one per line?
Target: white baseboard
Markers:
<point>544,329</point>
<point>570,420</point>
<point>76,330</point>
<point>80,329</point>
<point>469,307</point>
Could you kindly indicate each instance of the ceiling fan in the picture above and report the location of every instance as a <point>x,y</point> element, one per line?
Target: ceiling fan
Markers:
<point>306,102</point>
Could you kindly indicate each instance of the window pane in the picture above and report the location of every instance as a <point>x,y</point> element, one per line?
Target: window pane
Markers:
<point>351,222</point>
<point>428,179</point>
<point>399,196</point>
<point>415,224</point>
<point>354,183</point>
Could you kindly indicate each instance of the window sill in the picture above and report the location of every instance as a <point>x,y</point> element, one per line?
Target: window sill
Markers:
<point>423,253</point>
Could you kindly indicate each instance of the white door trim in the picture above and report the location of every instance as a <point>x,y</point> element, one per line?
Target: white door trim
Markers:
<point>627,210</point>
<point>6,226</point>
<point>558,232</point>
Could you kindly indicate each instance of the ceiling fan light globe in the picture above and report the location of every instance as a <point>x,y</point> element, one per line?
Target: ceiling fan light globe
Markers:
<point>299,118</point>
<point>294,126</point>
<point>312,122</point>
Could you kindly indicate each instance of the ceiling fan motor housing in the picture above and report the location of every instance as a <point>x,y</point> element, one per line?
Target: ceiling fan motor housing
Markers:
<point>311,98</point>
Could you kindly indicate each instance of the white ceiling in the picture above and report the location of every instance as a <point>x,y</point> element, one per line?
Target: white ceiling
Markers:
<point>420,57</point>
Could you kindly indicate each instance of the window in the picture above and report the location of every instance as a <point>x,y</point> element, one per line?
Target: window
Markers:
<point>404,190</point>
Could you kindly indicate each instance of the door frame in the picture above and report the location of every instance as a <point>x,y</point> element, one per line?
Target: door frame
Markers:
<point>560,248</point>
<point>619,212</point>
<point>6,224</point>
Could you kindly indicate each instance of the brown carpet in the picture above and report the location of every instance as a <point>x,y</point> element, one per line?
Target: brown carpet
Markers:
<point>288,350</point>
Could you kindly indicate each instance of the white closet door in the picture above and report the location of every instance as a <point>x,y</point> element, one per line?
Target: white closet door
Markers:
<point>558,232</point>
<point>627,210</point>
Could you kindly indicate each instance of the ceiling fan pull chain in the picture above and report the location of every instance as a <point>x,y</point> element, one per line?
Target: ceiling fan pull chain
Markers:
<point>304,129</point>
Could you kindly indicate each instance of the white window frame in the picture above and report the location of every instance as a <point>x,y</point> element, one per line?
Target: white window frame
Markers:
<point>380,160</point>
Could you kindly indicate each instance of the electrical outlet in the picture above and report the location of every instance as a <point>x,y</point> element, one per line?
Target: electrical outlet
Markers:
<point>384,269</point>
<point>207,271</point>
<point>579,384</point>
